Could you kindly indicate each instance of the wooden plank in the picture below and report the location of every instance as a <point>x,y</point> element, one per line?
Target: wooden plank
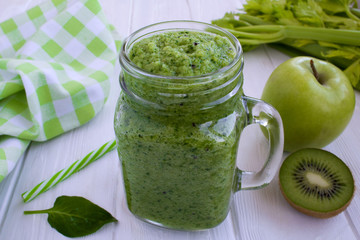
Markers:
<point>119,14</point>
<point>346,147</point>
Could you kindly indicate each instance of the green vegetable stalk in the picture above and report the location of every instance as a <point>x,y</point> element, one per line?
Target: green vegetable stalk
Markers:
<point>325,29</point>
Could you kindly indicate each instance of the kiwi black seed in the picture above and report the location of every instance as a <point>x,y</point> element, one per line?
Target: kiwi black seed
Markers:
<point>316,182</point>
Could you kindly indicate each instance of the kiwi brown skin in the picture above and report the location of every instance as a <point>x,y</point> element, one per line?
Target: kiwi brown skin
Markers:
<point>320,213</point>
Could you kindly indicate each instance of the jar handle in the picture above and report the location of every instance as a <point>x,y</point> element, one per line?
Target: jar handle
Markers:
<point>265,115</point>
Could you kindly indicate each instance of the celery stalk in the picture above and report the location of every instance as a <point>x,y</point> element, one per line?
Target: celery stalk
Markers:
<point>353,74</point>
<point>325,29</point>
<point>274,33</point>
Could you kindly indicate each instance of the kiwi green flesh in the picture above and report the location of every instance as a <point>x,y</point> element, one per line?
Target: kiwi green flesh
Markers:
<point>316,182</point>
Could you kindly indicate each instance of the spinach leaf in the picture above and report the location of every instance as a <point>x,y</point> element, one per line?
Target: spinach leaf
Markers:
<point>75,216</point>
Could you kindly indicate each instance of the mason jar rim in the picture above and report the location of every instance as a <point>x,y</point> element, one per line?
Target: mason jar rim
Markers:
<point>124,59</point>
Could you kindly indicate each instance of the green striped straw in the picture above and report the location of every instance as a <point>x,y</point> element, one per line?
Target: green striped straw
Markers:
<point>67,172</point>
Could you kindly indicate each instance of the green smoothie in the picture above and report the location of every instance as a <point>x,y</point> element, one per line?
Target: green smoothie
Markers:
<point>182,53</point>
<point>179,171</point>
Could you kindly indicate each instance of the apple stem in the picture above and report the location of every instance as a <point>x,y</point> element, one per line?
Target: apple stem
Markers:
<point>315,72</point>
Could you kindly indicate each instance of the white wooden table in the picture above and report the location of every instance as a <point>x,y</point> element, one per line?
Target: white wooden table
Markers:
<point>261,214</point>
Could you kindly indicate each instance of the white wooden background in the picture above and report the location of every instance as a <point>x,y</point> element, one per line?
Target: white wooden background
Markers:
<point>261,214</point>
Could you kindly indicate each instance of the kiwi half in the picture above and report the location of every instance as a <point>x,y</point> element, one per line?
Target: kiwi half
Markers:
<point>316,182</point>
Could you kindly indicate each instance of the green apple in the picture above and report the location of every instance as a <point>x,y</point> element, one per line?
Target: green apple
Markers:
<point>314,98</point>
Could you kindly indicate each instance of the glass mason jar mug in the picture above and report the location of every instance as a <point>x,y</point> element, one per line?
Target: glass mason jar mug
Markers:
<point>177,137</point>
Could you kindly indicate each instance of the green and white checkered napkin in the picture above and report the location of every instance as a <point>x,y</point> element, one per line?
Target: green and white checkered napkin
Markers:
<point>56,61</point>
